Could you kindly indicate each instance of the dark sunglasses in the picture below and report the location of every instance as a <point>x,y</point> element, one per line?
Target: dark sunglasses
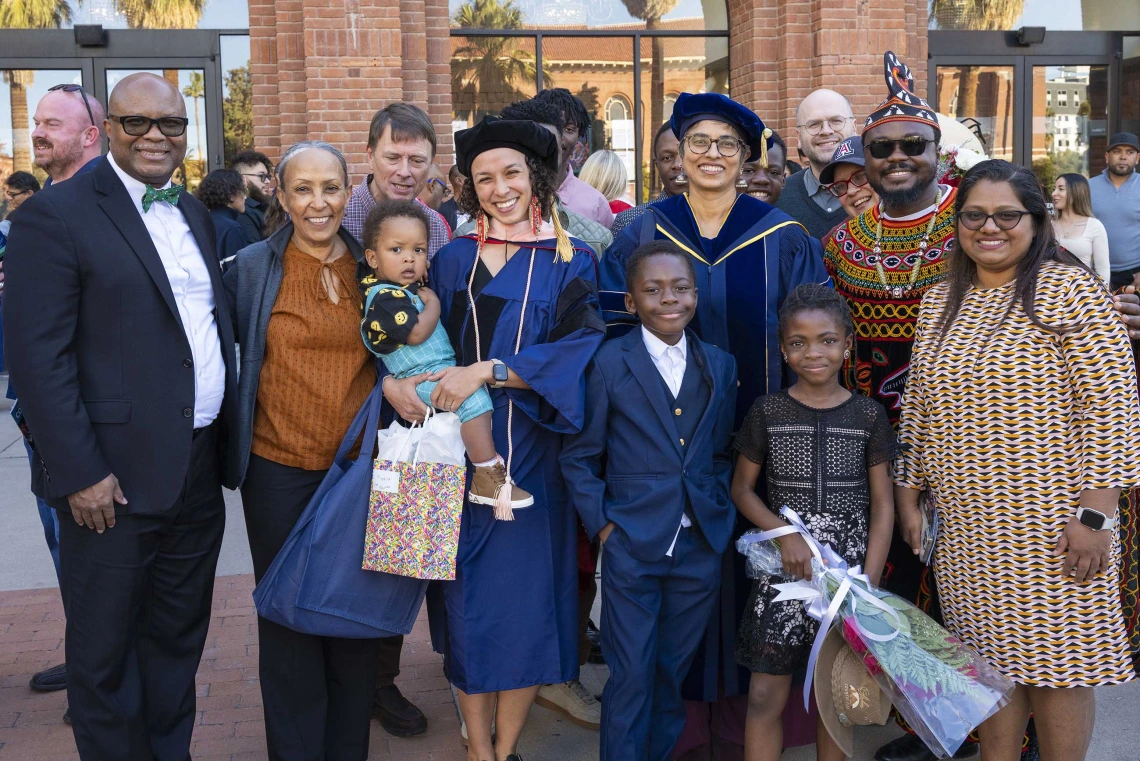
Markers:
<point>911,146</point>
<point>1006,220</point>
<point>839,189</point>
<point>78,89</point>
<point>137,126</point>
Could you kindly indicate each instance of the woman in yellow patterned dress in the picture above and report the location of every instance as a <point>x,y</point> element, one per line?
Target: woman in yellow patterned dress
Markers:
<point>1019,415</point>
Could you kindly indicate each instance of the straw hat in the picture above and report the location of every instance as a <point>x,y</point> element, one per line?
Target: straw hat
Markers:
<point>846,694</point>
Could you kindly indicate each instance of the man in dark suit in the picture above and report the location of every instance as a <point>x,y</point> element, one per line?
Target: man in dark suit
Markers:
<point>118,339</point>
<point>659,412</point>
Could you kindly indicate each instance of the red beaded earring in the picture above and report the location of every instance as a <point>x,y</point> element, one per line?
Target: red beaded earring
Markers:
<point>535,215</point>
<point>481,228</point>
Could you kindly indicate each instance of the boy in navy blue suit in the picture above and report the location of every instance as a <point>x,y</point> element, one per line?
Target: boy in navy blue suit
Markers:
<point>659,411</point>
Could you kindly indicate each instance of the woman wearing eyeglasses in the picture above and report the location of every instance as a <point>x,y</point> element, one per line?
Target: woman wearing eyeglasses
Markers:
<point>1021,415</point>
<point>845,177</point>
<point>748,256</point>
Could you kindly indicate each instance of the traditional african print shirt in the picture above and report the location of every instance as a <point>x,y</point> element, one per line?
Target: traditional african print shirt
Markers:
<point>885,323</point>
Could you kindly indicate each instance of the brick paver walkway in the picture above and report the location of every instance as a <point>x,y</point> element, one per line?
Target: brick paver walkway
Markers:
<point>229,725</point>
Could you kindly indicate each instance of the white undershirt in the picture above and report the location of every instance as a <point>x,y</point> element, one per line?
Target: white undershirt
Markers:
<point>670,362</point>
<point>193,294</point>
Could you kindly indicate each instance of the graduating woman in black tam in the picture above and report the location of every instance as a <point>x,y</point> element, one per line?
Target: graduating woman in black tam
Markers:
<point>519,299</point>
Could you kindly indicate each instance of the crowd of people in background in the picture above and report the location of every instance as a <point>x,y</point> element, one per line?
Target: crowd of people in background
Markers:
<point>889,324</point>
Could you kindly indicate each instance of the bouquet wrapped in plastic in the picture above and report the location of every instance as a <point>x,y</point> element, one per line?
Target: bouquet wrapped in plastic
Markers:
<point>941,687</point>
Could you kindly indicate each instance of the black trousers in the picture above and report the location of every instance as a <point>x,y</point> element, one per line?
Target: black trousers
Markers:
<point>316,691</point>
<point>1122,278</point>
<point>137,599</point>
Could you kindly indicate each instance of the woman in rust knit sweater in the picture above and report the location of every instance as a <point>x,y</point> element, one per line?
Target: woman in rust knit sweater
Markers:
<point>305,374</point>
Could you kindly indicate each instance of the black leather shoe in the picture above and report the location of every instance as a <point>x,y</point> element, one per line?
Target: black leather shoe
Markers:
<point>912,748</point>
<point>595,638</point>
<point>50,680</point>
<point>67,717</point>
<point>396,714</point>
<point>514,757</point>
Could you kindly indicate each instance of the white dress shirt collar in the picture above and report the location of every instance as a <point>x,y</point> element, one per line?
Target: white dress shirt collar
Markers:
<point>670,361</point>
<point>657,348</point>
<point>135,189</point>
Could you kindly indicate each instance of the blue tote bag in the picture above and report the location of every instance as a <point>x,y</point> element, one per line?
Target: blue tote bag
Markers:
<point>316,584</point>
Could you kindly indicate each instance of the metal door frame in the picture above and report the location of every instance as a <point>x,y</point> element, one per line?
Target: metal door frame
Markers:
<point>1060,48</point>
<point>129,49</point>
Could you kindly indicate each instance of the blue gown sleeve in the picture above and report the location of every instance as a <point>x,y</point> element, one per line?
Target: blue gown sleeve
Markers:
<point>582,455</point>
<point>556,369</point>
<point>801,260</point>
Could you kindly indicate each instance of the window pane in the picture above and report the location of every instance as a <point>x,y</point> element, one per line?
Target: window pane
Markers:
<point>599,70</point>
<point>237,95</point>
<point>554,15</point>
<point>141,14</point>
<point>20,91</point>
<point>488,73</point>
<point>192,84</point>
<point>1130,86</point>
<point>1002,15</point>
<point>1071,134</point>
<point>670,66</point>
<point>981,95</point>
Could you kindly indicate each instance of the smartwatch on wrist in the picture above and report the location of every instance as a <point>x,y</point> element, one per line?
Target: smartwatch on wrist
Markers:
<point>1095,519</point>
<point>498,373</point>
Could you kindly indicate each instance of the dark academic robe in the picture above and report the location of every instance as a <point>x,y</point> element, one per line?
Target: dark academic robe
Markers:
<point>512,611</point>
<point>760,255</point>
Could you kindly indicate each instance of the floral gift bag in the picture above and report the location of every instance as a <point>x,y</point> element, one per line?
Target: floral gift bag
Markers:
<point>416,501</point>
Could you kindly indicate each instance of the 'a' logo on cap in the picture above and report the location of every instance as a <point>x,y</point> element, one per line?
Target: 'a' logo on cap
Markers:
<point>844,150</point>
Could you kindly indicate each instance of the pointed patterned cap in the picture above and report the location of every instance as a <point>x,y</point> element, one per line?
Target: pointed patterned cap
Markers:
<point>901,105</point>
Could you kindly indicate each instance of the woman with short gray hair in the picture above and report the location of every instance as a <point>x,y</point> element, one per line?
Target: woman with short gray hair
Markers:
<point>305,373</point>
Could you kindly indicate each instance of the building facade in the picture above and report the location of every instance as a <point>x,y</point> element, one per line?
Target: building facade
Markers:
<point>266,73</point>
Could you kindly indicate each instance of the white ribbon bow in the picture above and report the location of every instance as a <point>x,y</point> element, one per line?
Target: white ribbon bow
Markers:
<point>829,563</point>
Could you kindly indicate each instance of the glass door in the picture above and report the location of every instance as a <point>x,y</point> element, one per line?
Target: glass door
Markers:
<point>197,80</point>
<point>1070,119</point>
<point>984,97</point>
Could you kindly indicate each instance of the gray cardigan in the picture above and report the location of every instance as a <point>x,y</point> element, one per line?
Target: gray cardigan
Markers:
<point>252,282</point>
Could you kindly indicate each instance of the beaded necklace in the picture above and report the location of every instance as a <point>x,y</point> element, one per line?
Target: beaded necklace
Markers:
<point>897,291</point>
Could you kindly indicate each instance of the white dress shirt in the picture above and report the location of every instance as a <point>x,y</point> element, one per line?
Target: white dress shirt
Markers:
<point>193,294</point>
<point>670,362</point>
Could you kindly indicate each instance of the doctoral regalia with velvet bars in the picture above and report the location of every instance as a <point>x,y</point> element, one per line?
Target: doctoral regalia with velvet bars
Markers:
<point>743,275</point>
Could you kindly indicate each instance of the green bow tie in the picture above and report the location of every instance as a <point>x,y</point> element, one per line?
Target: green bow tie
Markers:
<point>170,195</point>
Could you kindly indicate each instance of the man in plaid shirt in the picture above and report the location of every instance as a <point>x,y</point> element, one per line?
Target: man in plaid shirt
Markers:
<point>401,149</point>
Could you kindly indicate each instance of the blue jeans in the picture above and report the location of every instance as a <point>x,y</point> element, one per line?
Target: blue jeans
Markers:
<point>50,519</point>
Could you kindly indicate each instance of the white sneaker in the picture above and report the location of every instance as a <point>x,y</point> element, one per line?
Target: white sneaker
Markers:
<point>572,699</point>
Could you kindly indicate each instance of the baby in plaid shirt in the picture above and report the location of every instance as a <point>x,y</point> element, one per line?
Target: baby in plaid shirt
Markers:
<point>401,326</point>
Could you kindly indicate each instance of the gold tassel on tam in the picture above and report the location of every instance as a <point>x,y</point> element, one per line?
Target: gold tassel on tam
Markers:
<point>564,247</point>
<point>764,138</point>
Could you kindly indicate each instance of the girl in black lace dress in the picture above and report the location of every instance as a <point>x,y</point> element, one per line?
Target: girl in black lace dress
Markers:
<point>824,452</point>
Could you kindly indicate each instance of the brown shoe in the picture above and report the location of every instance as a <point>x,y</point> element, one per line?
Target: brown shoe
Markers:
<point>488,484</point>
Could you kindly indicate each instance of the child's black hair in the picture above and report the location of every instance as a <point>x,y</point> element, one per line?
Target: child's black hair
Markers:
<point>390,209</point>
<point>654,248</point>
<point>816,297</point>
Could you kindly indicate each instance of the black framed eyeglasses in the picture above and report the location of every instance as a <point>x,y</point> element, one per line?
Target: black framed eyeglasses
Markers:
<point>911,146</point>
<point>137,126</point>
<point>1006,219</point>
<point>13,195</point>
<point>82,93</point>
<point>260,176</point>
<point>727,146</point>
<point>815,126</point>
<point>840,188</point>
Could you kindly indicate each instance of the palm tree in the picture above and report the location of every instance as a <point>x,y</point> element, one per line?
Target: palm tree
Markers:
<point>27,14</point>
<point>195,90</point>
<point>652,11</point>
<point>162,14</point>
<point>974,15</point>
<point>487,71</point>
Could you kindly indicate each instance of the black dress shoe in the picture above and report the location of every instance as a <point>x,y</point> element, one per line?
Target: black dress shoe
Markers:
<point>595,638</point>
<point>50,680</point>
<point>398,717</point>
<point>514,757</point>
<point>67,717</point>
<point>912,748</point>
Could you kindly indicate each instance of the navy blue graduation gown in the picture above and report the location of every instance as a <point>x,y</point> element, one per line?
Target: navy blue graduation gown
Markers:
<point>760,255</point>
<point>512,611</point>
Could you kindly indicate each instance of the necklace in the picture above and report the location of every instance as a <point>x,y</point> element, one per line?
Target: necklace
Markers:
<point>897,291</point>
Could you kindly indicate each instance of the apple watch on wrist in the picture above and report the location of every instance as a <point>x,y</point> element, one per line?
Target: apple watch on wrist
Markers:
<point>498,373</point>
<point>1095,519</point>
